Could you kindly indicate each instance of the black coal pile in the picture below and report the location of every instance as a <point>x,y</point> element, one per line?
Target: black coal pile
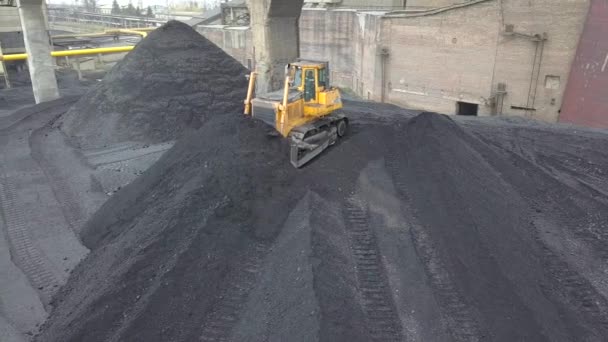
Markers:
<point>168,83</point>
<point>411,228</point>
<point>492,234</point>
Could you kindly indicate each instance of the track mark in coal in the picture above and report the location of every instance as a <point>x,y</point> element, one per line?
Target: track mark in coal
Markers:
<point>577,291</point>
<point>455,311</point>
<point>378,305</point>
<point>219,323</point>
<point>24,251</point>
<point>70,207</point>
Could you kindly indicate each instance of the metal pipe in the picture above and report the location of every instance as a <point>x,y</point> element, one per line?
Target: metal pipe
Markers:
<point>532,74</point>
<point>249,93</point>
<point>135,31</point>
<point>540,63</point>
<point>138,32</point>
<point>283,107</point>
<point>63,53</point>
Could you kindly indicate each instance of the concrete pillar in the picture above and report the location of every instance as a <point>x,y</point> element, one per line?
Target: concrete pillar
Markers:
<point>276,39</point>
<point>38,48</point>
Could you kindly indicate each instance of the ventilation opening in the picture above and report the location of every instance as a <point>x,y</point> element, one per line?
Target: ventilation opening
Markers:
<point>466,108</point>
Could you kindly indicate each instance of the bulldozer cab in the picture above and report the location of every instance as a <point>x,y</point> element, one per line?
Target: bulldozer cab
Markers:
<point>308,77</point>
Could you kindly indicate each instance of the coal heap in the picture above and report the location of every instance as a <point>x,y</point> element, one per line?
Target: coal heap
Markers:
<point>412,228</point>
<point>170,82</point>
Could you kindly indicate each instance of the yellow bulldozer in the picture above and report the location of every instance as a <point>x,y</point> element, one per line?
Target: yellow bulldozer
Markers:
<point>304,111</point>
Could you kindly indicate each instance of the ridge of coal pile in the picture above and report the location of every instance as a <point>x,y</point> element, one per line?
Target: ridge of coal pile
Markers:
<point>416,229</point>
<point>493,229</point>
<point>170,82</point>
<point>177,235</point>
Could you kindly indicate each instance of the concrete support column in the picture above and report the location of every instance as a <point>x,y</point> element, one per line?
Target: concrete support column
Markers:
<point>276,39</point>
<point>38,48</point>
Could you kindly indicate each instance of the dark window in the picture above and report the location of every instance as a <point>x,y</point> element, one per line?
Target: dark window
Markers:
<point>323,82</point>
<point>309,85</point>
<point>466,108</point>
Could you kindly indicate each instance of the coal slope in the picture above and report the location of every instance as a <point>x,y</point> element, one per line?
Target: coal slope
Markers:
<point>168,83</point>
<point>409,230</point>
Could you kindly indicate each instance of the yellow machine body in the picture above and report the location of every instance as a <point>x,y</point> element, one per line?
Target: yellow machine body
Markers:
<point>304,110</point>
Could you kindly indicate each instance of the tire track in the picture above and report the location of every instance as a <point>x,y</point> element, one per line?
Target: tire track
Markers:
<point>458,315</point>
<point>218,325</point>
<point>24,251</point>
<point>382,318</point>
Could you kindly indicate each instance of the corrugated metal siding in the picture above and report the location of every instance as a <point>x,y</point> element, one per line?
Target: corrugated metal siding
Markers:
<point>586,96</point>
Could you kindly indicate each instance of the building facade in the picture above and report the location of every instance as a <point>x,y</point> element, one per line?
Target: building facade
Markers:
<point>479,57</point>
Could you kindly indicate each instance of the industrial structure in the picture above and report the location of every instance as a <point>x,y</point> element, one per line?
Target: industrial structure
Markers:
<point>481,57</point>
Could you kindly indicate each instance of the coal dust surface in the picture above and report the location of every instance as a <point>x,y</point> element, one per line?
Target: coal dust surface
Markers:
<point>414,227</point>
<point>169,83</point>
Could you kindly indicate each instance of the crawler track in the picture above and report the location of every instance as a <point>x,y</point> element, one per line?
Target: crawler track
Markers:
<point>458,316</point>
<point>382,318</point>
<point>219,323</point>
<point>24,251</point>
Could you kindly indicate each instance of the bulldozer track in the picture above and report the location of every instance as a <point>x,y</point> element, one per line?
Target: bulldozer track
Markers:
<point>25,253</point>
<point>574,289</point>
<point>225,313</point>
<point>378,305</point>
<point>61,190</point>
<point>458,315</point>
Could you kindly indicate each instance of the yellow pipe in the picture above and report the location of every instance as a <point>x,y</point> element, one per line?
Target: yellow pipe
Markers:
<point>139,32</point>
<point>285,93</point>
<point>13,57</point>
<point>249,93</point>
<point>143,29</point>
<point>63,53</point>
<point>114,49</point>
<point>283,112</point>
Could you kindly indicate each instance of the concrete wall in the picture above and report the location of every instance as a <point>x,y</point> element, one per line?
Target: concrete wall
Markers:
<point>236,41</point>
<point>422,4</point>
<point>371,4</point>
<point>389,4</point>
<point>563,21</point>
<point>328,35</point>
<point>9,19</point>
<point>11,36</point>
<point>439,58</point>
<point>462,55</point>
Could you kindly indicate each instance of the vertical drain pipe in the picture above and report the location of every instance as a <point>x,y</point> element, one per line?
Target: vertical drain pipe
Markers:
<point>536,45</point>
<point>539,40</point>
<point>540,62</point>
<point>384,57</point>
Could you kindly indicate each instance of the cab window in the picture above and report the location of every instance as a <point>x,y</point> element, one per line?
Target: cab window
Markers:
<point>323,81</point>
<point>297,78</point>
<point>309,85</point>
